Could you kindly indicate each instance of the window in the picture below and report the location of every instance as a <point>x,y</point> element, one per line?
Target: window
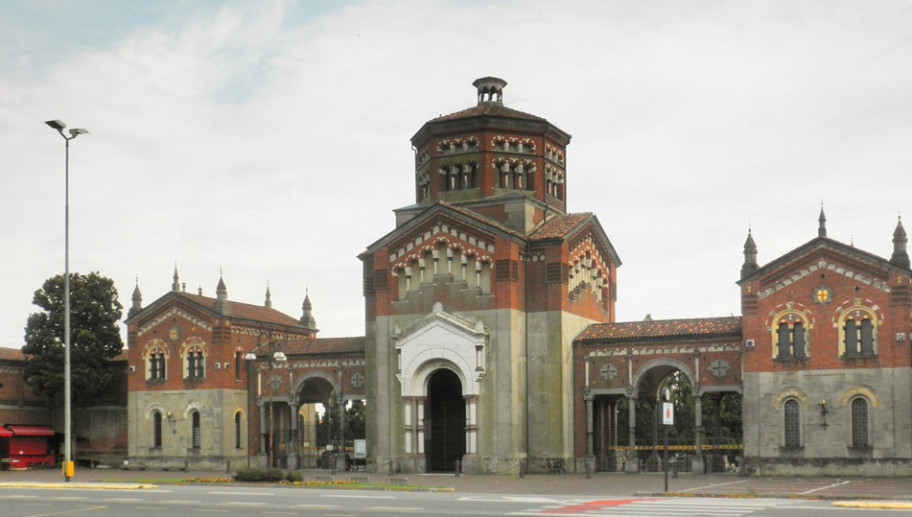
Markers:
<point>792,424</point>
<point>156,365</point>
<point>237,430</point>
<point>196,430</point>
<point>790,341</point>
<point>238,363</point>
<point>195,364</point>
<point>860,423</point>
<point>858,335</point>
<point>157,430</point>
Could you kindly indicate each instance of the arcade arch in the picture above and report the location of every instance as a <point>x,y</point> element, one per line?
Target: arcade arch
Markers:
<point>702,434</point>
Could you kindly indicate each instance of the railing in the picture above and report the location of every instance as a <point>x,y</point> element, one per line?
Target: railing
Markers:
<point>716,458</point>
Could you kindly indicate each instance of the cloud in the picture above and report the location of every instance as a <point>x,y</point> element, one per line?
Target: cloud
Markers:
<point>271,141</point>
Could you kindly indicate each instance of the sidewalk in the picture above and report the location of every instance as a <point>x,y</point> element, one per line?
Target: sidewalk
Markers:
<point>601,484</point>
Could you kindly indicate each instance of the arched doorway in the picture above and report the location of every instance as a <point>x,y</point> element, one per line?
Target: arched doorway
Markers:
<point>445,417</point>
<point>318,421</point>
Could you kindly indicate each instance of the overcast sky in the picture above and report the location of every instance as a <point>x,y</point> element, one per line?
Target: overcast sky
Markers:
<point>270,140</point>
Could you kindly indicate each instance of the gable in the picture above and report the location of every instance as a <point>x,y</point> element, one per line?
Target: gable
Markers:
<point>825,257</point>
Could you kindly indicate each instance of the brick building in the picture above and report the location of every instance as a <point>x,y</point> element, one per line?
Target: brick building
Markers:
<point>491,340</point>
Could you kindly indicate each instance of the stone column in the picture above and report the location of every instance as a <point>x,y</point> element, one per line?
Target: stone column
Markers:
<point>408,404</point>
<point>632,464</point>
<point>697,466</point>
<point>589,427</point>
<point>471,424</point>
<point>293,447</point>
<point>419,402</point>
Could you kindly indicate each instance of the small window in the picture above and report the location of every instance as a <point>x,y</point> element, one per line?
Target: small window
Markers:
<point>157,429</point>
<point>792,424</point>
<point>860,423</point>
<point>237,430</point>
<point>238,364</point>
<point>196,430</point>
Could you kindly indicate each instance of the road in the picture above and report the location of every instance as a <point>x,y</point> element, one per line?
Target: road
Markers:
<point>196,501</point>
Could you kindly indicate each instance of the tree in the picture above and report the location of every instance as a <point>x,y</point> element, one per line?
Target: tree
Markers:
<point>95,314</point>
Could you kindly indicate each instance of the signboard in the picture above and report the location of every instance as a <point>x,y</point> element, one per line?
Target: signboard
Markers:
<point>668,417</point>
<point>360,449</point>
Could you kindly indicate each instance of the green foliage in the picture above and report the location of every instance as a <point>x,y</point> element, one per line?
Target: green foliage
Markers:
<point>254,474</point>
<point>95,338</point>
<point>354,421</point>
<point>722,427</point>
<point>293,476</point>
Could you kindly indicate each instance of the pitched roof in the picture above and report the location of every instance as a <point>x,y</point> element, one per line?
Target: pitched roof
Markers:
<point>11,354</point>
<point>245,311</point>
<point>491,109</point>
<point>559,226</point>
<point>631,330</point>
<point>801,252</point>
<point>324,345</point>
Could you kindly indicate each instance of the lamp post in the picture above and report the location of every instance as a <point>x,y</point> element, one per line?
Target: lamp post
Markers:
<point>276,356</point>
<point>68,469</point>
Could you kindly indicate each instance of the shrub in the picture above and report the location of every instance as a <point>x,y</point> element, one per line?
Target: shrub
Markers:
<point>256,474</point>
<point>293,476</point>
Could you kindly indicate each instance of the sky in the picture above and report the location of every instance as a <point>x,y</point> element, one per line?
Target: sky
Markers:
<point>269,141</point>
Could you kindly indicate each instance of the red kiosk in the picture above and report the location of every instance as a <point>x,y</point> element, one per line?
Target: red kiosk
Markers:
<point>25,446</point>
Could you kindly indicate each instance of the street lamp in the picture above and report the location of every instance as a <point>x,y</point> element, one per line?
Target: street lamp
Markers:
<point>277,357</point>
<point>68,469</point>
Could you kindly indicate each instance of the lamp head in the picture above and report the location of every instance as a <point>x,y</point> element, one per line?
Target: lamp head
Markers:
<point>56,124</point>
<point>279,356</point>
<point>250,356</point>
<point>78,131</point>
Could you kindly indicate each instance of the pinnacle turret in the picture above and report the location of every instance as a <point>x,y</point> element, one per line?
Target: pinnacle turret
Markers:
<point>137,301</point>
<point>900,255</point>
<point>750,256</point>
<point>221,298</point>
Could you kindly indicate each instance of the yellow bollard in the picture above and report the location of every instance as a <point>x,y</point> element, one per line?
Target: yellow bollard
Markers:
<point>68,469</point>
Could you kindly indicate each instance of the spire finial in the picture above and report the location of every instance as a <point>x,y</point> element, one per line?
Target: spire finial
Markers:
<point>175,285</point>
<point>900,255</point>
<point>750,255</point>
<point>821,228</point>
<point>268,296</point>
<point>137,300</point>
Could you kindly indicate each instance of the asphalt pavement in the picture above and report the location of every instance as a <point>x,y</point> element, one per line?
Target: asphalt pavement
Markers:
<point>897,489</point>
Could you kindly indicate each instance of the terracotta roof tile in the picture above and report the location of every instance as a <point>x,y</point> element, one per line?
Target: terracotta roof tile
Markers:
<point>559,226</point>
<point>491,110</point>
<point>606,332</point>
<point>11,354</point>
<point>478,217</point>
<point>326,345</point>
<point>247,311</point>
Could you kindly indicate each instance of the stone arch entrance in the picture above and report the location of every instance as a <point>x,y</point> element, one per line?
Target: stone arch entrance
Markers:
<point>445,421</point>
<point>318,426</point>
<point>441,361</point>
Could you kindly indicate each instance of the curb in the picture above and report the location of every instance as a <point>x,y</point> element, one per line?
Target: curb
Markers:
<point>874,505</point>
<point>82,486</point>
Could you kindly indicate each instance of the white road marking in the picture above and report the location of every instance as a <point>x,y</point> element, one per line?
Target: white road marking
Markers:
<point>825,487</point>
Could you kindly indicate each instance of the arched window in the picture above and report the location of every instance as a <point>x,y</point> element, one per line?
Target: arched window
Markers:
<point>155,365</point>
<point>157,429</point>
<point>790,337</point>
<point>858,334</point>
<point>196,363</point>
<point>197,438</point>
<point>792,414</point>
<point>237,430</point>
<point>860,423</point>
